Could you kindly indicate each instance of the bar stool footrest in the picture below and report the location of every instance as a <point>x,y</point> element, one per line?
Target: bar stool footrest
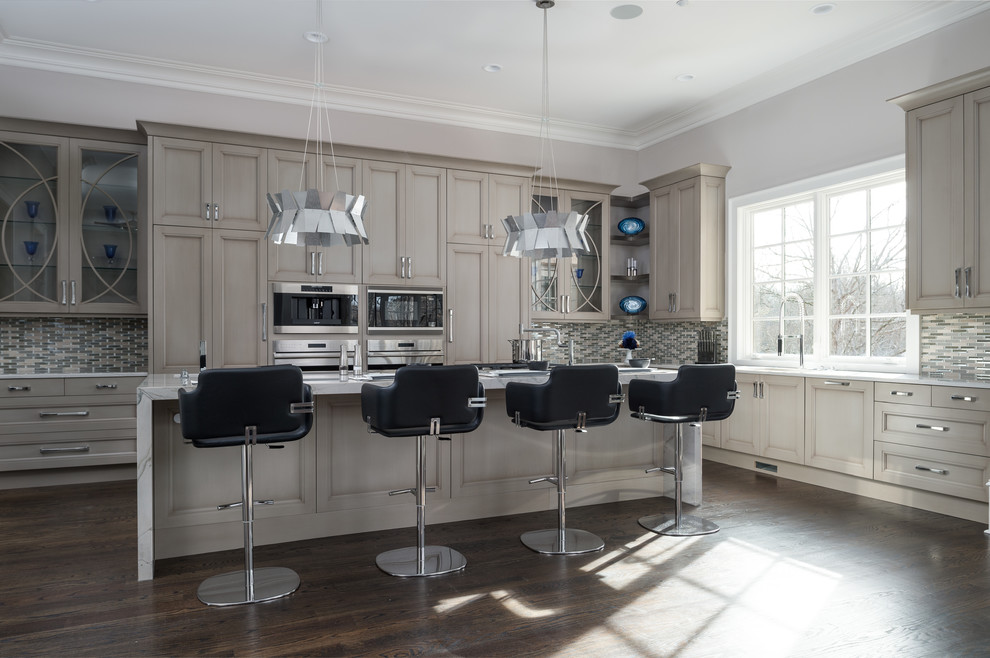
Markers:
<point>690,526</point>
<point>575,541</point>
<point>229,588</point>
<point>437,560</point>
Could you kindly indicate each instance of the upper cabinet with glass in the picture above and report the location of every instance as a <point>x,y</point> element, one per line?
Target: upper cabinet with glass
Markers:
<point>574,288</point>
<point>70,238</point>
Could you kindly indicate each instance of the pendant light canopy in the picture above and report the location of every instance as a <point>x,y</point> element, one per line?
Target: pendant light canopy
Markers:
<point>548,232</point>
<point>312,216</point>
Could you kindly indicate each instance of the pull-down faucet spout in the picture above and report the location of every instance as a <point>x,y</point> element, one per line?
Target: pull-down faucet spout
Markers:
<point>780,329</point>
<point>552,330</point>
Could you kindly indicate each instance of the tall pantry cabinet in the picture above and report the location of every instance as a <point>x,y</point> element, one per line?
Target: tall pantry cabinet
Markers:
<point>209,254</point>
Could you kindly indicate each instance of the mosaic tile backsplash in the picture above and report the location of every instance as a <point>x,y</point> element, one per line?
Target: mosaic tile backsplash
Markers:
<point>956,346</point>
<point>663,342</point>
<point>73,345</point>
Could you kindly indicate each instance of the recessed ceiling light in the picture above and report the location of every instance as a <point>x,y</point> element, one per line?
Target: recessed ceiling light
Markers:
<point>685,77</point>
<point>681,3</point>
<point>823,8</point>
<point>625,12</point>
<point>491,68</point>
<point>316,37</point>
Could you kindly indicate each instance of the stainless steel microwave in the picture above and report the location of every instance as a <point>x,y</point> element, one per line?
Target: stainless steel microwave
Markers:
<point>315,308</point>
<point>405,310</point>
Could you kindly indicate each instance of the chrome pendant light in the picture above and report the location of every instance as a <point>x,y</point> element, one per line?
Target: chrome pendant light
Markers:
<point>549,232</point>
<point>314,217</point>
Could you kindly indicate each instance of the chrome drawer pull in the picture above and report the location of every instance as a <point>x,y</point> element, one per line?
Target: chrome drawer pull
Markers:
<point>937,471</point>
<point>963,398</point>
<point>830,382</point>
<point>109,386</point>
<point>903,393</point>
<point>934,428</point>
<point>45,414</point>
<point>53,451</point>
<point>18,388</point>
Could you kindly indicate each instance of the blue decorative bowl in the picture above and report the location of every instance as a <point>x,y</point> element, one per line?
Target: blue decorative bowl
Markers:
<point>632,304</point>
<point>631,225</point>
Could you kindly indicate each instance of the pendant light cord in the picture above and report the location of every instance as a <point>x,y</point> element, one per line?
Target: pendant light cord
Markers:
<point>546,141</point>
<point>318,102</point>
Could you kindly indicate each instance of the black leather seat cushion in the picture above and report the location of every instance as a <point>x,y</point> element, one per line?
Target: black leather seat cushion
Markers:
<point>555,403</point>
<point>420,393</point>
<point>681,399</point>
<point>226,401</point>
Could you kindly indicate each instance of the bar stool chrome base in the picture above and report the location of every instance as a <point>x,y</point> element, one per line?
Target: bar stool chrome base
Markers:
<point>687,526</point>
<point>230,588</point>
<point>575,541</point>
<point>437,560</point>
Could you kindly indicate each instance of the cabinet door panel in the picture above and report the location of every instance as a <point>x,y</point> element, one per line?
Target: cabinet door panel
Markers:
<point>506,297</point>
<point>978,213</point>
<point>183,185</point>
<point>425,229</point>
<point>740,431</point>
<point>783,425</point>
<point>508,195</point>
<point>385,189</point>
<point>340,263</point>
<point>239,279</point>
<point>287,171</point>
<point>468,301</point>
<point>839,428</point>
<point>239,181</point>
<point>467,207</point>
<point>183,297</point>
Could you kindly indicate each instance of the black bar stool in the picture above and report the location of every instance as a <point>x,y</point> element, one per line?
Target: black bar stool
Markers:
<point>575,397</point>
<point>423,401</point>
<point>247,407</point>
<point>697,394</point>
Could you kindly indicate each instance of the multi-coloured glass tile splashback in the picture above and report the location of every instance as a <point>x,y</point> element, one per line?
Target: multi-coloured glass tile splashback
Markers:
<point>73,345</point>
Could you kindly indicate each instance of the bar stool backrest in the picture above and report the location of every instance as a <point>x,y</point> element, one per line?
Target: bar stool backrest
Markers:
<point>420,393</point>
<point>696,386</point>
<point>570,390</point>
<point>226,401</point>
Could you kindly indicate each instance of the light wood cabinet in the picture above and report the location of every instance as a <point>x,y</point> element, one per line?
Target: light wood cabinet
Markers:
<point>768,419</point>
<point>477,202</point>
<point>73,223</point>
<point>948,194</point>
<point>208,285</point>
<point>406,224</point>
<point>688,244</point>
<point>297,263</point>
<point>198,183</point>
<point>575,288</point>
<point>57,422</point>
<point>839,425</point>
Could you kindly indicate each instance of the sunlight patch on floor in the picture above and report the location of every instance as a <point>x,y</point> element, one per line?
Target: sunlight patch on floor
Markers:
<point>518,608</point>
<point>637,559</point>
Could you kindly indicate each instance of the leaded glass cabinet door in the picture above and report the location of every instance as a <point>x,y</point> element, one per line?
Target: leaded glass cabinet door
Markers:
<point>546,296</point>
<point>31,207</point>
<point>107,228</point>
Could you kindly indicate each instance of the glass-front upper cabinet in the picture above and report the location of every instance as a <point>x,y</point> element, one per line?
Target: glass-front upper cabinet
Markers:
<point>107,256</point>
<point>572,288</point>
<point>32,201</point>
<point>70,239</point>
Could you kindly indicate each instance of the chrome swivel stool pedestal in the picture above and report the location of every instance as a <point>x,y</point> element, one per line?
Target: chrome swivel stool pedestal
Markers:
<point>698,393</point>
<point>423,401</point>
<point>247,407</point>
<point>574,397</point>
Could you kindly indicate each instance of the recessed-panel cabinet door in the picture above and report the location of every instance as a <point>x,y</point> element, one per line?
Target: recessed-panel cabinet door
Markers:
<point>239,291</point>
<point>240,178</point>
<point>384,187</point>
<point>183,181</point>
<point>468,304</point>
<point>183,297</point>
<point>467,207</point>
<point>425,229</point>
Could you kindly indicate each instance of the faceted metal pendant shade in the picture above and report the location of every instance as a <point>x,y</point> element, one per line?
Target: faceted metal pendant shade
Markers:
<point>545,235</point>
<point>317,218</point>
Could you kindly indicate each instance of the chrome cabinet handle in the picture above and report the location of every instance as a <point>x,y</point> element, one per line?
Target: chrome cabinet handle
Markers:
<point>409,266</point>
<point>106,386</point>
<point>312,262</point>
<point>831,382</point>
<point>957,294</point>
<point>264,322</point>
<point>450,325</point>
<point>937,471</point>
<point>52,451</point>
<point>762,395</point>
<point>402,267</point>
<point>963,398</point>
<point>674,295</point>
<point>47,414</point>
<point>902,393</point>
<point>934,428</point>
<point>755,390</point>
<point>216,212</point>
<point>968,274</point>
<point>72,287</point>
<point>319,267</point>
<point>64,295</point>
<point>18,388</point>
<point>485,234</point>
<point>208,216</point>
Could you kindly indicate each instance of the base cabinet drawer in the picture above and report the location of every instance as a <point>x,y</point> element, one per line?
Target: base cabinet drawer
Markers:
<point>932,427</point>
<point>61,454</point>
<point>949,473</point>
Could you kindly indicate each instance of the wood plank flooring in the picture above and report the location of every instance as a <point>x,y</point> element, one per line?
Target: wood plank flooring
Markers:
<point>795,571</point>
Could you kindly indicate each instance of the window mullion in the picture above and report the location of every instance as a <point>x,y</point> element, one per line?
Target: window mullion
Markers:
<point>822,311</point>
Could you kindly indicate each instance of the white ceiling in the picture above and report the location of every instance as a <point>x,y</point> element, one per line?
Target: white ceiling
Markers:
<point>612,82</point>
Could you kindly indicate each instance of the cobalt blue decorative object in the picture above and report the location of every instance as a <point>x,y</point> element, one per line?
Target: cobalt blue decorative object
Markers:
<point>632,304</point>
<point>631,225</point>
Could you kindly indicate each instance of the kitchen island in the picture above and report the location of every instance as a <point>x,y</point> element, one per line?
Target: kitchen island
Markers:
<point>336,479</point>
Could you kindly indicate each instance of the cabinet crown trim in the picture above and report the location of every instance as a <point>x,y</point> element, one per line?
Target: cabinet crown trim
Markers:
<point>946,89</point>
<point>700,169</point>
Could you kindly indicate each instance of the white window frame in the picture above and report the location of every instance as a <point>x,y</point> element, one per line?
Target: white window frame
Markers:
<point>739,263</point>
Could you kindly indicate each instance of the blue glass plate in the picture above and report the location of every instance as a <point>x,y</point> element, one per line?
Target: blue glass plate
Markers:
<point>631,225</point>
<point>632,304</point>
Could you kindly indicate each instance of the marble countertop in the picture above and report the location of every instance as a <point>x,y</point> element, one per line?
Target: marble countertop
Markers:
<point>64,375</point>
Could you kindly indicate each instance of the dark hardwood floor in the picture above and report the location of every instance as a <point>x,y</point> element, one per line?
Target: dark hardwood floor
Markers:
<point>795,571</point>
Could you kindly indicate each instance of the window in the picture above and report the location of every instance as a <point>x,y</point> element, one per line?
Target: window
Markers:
<point>828,263</point>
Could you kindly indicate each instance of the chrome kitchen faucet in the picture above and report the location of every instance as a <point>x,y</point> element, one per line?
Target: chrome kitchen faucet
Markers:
<point>780,328</point>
